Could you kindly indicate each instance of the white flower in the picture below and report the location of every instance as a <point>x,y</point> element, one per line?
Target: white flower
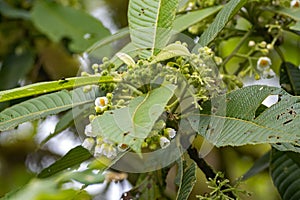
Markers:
<point>88,130</point>
<point>269,73</point>
<point>101,102</point>
<point>164,142</point>
<point>106,150</point>
<point>171,133</point>
<point>263,63</point>
<point>295,4</point>
<point>251,43</point>
<point>88,143</point>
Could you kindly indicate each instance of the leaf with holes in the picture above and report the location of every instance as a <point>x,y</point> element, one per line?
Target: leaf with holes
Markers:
<point>150,24</point>
<point>239,125</point>
<point>45,105</point>
<point>285,172</point>
<point>132,124</point>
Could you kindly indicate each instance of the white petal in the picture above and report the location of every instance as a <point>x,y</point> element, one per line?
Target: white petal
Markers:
<point>101,102</point>
<point>164,142</point>
<point>88,143</point>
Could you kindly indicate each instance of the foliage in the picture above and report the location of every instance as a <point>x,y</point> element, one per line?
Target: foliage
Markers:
<point>141,112</point>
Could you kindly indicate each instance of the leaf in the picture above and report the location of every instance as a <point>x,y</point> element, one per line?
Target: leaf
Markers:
<point>122,33</point>
<point>74,157</point>
<point>290,78</point>
<point>51,86</point>
<point>239,126</point>
<point>171,51</point>
<point>132,124</point>
<point>290,12</point>
<point>67,120</point>
<point>261,164</point>
<point>296,27</point>
<point>229,10</point>
<point>11,12</point>
<point>285,172</point>
<point>184,21</point>
<point>45,189</point>
<point>43,106</point>
<point>58,22</point>
<point>150,24</point>
<point>187,183</point>
<point>15,66</point>
<point>87,177</point>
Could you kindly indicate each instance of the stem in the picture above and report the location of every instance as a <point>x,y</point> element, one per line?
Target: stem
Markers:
<point>206,169</point>
<point>237,48</point>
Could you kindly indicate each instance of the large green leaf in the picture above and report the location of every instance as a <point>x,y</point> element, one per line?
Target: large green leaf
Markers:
<point>58,22</point>
<point>51,86</point>
<point>132,124</point>
<point>150,24</point>
<point>184,21</point>
<point>229,10</point>
<point>285,171</point>
<point>278,124</point>
<point>74,157</point>
<point>43,106</point>
<point>290,78</point>
<point>188,180</point>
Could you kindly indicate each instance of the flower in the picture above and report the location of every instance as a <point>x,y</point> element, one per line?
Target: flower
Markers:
<point>263,63</point>
<point>88,143</point>
<point>164,142</point>
<point>251,43</point>
<point>105,149</point>
<point>269,73</point>
<point>295,4</point>
<point>101,104</point>
<point>88,130</point>
<point>171,133</point>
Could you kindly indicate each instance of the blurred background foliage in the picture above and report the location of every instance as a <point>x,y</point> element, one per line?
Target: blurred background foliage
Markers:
<point>44,40</point>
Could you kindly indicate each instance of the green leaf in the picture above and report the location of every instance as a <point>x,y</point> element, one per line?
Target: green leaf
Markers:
<point>229,10</point>
<point>184,21</point>
<point>296,27</point>
<point>290,78</point>
<point>46,189</point>
<point>285,172</point>
<point>290,12</point>
<point>15,66</point>
<point>43,106</point>
<point>58,22</point>
<point>150,24</point>
<point>87,177</point>
<point>187,183</point>
<point>132,124</point>
<point>74,157</point>
<point>261,164</point>
<point>11,12</point>
<point>67,120</point>
<point>278,124</point>
<point>122,33</point>
<point>171,51</point>
<point>51,86</point>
